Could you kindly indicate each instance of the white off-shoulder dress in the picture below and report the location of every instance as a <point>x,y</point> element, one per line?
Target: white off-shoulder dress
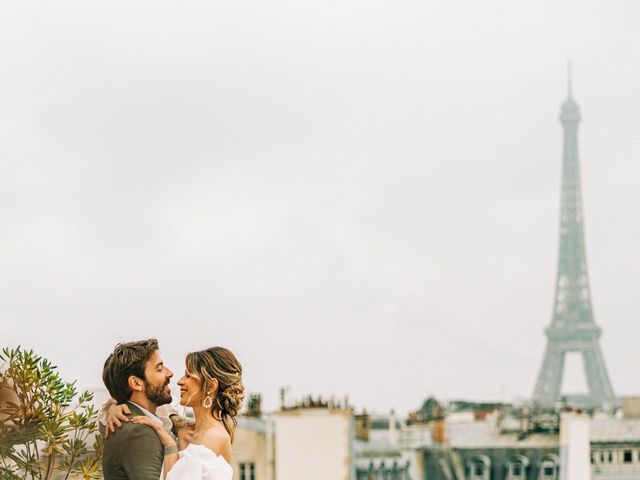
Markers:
<point>197,462</point>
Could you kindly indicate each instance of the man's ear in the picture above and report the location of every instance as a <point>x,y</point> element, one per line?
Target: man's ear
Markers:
<point>135,384</point>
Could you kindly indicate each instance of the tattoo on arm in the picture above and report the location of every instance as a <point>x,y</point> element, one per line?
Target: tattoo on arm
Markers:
<point>181,422</point>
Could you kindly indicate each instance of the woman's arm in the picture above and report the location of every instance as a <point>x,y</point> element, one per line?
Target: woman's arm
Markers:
<point>169,444</point>
<point>185,437</point>
<point>180,423</point>
<point>111,417</point>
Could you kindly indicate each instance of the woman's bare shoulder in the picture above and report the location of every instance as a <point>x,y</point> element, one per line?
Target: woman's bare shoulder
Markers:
<point>218,441</point>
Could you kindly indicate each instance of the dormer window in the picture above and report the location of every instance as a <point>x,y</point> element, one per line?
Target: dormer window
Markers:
<point>549,471</point>
<point>479,468</point>
<point>517,468</point>
<point>549,468</point>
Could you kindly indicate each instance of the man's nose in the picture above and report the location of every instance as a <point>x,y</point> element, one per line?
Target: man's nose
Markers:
<point>169,373</point>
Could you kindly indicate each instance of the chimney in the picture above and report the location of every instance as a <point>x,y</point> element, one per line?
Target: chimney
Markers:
<point>438,428</point>
<point>575,446</point>
<point>393,429</point>
<point>283,393</point>
<point>254,405</point>
<point>363,426</point>
<point>525,419</point>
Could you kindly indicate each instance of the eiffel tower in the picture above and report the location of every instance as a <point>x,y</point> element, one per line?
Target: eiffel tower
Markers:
<point>572,327</point>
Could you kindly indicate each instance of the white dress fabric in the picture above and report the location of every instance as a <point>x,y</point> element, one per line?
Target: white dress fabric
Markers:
<point>197,462</point>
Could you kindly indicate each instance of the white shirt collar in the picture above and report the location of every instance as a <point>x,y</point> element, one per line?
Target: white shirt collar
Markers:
<point>148,414</point>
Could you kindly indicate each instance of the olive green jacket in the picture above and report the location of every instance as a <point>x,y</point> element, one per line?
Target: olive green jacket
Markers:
<point>132,452</point>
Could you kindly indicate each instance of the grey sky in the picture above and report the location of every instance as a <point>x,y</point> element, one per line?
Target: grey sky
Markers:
<point>357,197</point>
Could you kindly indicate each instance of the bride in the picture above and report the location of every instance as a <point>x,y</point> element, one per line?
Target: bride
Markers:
<point>212,387</point>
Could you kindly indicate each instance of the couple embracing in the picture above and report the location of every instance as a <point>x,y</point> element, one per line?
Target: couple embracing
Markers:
<point>142,442</point>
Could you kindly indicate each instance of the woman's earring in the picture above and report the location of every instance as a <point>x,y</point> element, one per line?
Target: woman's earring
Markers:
<point>207,402</point>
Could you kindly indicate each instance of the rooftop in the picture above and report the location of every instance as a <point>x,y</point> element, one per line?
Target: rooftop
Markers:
<point>486,434</point>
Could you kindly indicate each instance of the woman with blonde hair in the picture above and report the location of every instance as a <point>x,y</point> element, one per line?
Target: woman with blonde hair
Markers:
<point>212,387</point>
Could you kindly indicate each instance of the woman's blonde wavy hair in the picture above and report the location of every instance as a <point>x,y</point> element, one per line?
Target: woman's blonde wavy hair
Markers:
<point>221,364</point>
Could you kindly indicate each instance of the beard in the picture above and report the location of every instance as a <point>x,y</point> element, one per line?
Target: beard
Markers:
<point>157,393</point>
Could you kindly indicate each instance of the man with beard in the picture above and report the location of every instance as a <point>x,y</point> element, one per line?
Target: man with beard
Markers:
<point>135,375</point>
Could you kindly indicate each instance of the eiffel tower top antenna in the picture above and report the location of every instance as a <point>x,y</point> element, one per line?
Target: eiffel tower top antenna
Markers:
<point>569,80</point>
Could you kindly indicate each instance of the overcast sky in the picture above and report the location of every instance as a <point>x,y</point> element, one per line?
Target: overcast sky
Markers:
<point>356,197</point>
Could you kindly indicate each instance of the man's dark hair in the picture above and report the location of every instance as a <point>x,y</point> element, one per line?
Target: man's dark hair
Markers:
<point>127,359</point>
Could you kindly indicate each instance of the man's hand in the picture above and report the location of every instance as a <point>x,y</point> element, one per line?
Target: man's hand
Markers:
<point>115,415</point>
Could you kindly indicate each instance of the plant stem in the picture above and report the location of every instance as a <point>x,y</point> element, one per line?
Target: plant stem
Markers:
<point>28,456</point>
<point>38,459</point>
<point>50,463</point>
<point>73,456</point>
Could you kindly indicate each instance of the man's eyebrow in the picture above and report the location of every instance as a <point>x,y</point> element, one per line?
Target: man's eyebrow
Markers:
<point>159,364</point>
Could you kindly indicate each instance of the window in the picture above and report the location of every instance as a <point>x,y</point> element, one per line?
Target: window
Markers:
<point>627,456</point>
<point>548,469</point>
<point>517,467</point>
<point>516,471</point>
<point>248,471</point>
<point>479,468</point>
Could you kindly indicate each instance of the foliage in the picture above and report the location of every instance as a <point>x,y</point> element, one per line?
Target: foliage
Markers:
<point>43,432</point>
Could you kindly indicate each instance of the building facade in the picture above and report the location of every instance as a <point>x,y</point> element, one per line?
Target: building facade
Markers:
<point>314,441</point>
<point>253,457</point>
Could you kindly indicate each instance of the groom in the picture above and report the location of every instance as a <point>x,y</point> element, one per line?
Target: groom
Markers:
<point>135,375</point>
